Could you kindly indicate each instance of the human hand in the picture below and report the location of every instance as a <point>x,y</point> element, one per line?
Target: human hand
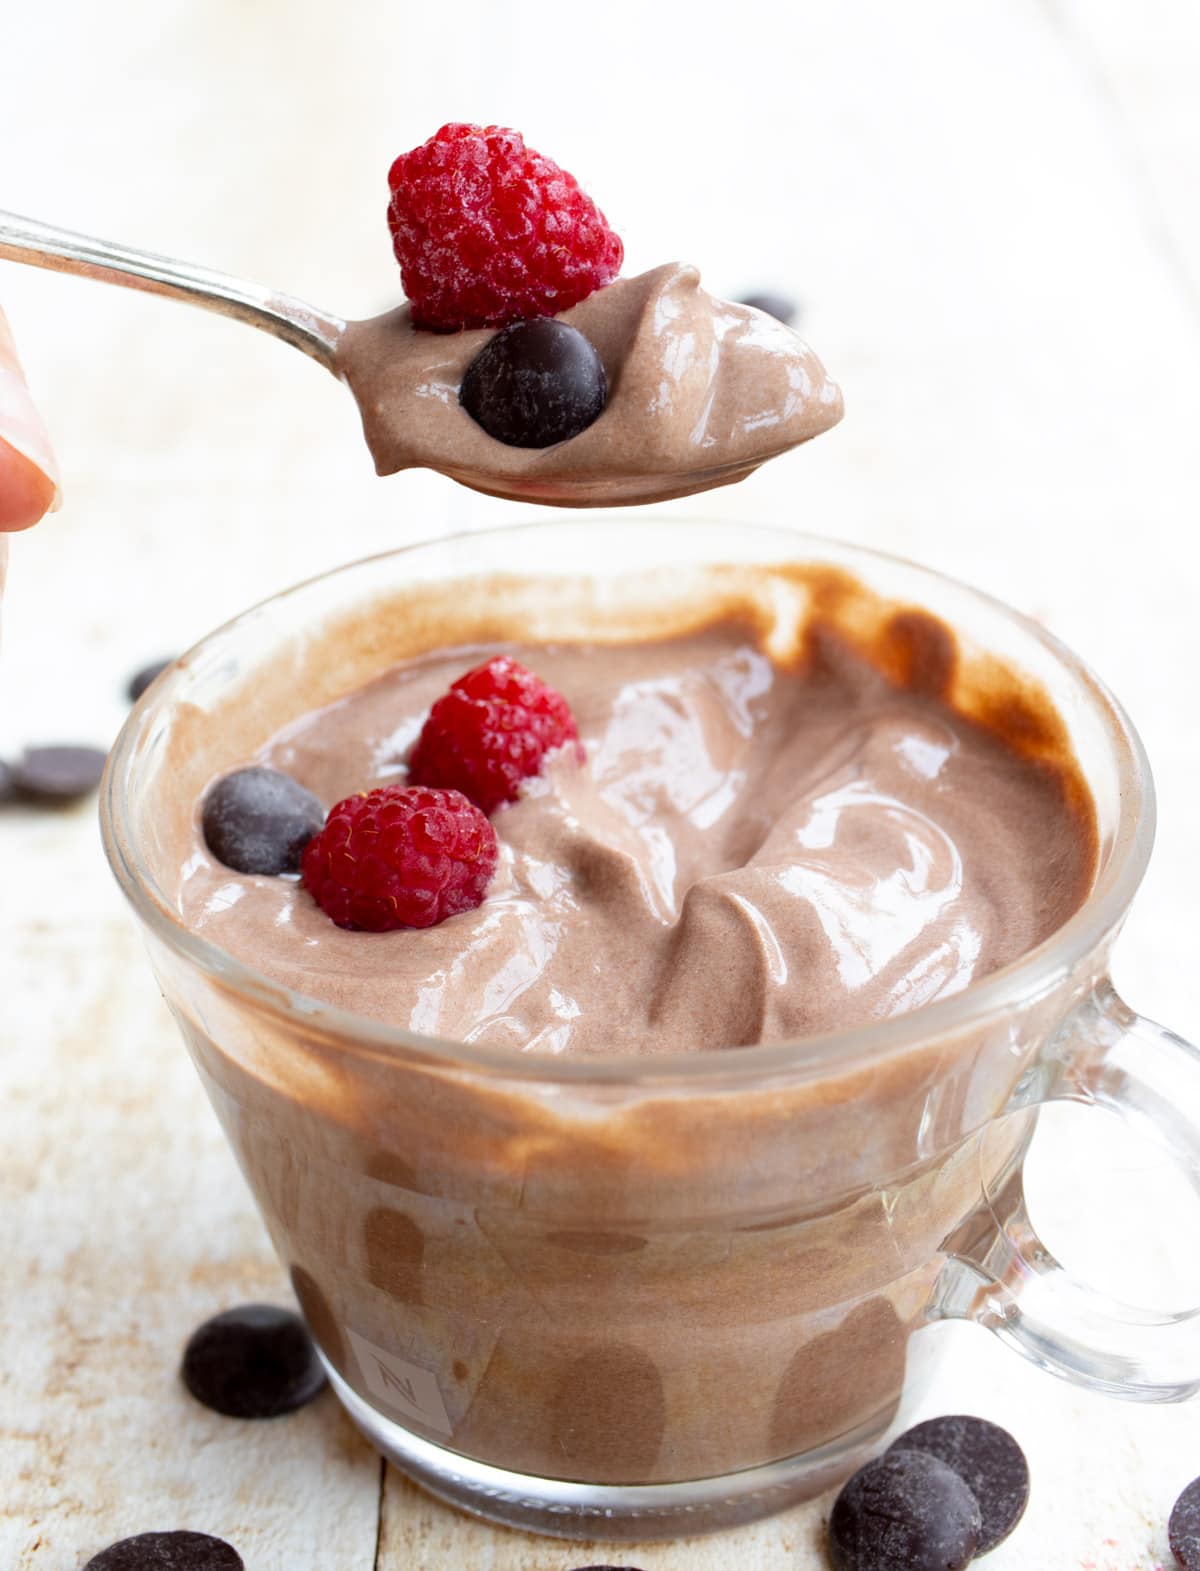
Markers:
<point>28,471</point>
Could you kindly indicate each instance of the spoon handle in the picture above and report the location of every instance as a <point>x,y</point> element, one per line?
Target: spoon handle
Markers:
<point>43,245</point>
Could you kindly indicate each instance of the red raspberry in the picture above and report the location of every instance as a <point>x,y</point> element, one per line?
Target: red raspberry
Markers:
<point>399,856</point>
<point>487,231</point>
<point>491,731</point>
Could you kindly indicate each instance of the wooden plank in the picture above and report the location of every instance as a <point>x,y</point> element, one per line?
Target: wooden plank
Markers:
<point>126,1223</point>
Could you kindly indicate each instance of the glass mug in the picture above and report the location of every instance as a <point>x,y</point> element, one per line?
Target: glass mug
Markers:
<point>635,1297</point>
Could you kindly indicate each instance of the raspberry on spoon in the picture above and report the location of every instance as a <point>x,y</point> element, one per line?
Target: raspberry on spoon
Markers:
<point>400,856</point>
<point>487,232</point>
<point>492,730</point>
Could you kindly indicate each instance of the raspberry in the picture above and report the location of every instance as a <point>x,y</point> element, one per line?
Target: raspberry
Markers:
<point>486,231</point>
<point>491,731</point>
<point>400,856</point>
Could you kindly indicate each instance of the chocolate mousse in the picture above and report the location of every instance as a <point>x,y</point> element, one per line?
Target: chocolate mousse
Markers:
<point>747,853</point>
<point>800,806</point>
<point>700,393</point>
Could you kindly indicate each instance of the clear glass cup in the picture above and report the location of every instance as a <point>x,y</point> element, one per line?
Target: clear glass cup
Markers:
<point>645,1297</point>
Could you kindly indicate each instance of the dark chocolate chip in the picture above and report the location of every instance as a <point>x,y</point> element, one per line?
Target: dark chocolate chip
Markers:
<point>141,680</point>
<point>1183,1530</point>
<point>168,1552</point>
<point>255,1361</point>
<point>8,784</point>
<point>58,775</point>
<point>987,1459</point>
<point>906,1511</point>
<point>259,821</point>
<point>779,306</point>
<point>535,383</point>
<point>606,1568</point>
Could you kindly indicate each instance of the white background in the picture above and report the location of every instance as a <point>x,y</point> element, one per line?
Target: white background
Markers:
<point>989,214</point>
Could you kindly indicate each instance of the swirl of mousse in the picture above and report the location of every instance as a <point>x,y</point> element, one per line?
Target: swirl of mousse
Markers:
<point>749,853</point>
<point>700,393</point>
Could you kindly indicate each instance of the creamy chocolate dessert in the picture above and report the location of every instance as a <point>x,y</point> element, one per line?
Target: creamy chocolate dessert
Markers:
<point>800,806</point>
<point>744,854</point>
<point>700,392</point>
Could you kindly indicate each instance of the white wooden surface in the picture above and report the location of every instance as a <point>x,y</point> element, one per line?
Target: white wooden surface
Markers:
<point>989,211</point>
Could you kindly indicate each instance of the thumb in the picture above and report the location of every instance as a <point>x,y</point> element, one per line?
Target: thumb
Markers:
<point>28,469</point>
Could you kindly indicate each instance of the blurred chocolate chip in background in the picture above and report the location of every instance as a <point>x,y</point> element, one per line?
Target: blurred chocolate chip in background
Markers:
<point>781,307</point>
<point>59,775</point>
<point>141,680</point>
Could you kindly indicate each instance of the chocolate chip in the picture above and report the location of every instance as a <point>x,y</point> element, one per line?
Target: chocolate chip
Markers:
<point>1183,1530</point>
<point>606,1568</point>
<point>779,306</point>
<point>168,1552</point>
<point>906,1511</point>
<point>8,785</point>
<point>987,1459</point>
<point>141,680</point>
<point>57,776</point>
<point>259,821</point>
<point>255,1361</point>
<point>535,383</point>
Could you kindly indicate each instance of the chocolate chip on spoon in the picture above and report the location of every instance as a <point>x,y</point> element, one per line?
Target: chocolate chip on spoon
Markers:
<point>906,1511</point>
<point>256,1361</point>
<point>535,383</point>
<point>56,776</point>
<point>779,306</point>
<point>177,1551</point>
<point>987,1459</point>
<point>257,820</point>
<point>1183,1530</point>
<point>141,680</point>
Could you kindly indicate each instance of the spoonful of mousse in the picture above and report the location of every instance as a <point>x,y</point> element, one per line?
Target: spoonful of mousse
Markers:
<point>521,364</point>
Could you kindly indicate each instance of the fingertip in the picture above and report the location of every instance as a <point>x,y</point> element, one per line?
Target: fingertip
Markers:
<point>27,493</point>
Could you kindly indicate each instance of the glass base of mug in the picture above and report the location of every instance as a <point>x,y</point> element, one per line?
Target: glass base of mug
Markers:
<point>622,1512</point>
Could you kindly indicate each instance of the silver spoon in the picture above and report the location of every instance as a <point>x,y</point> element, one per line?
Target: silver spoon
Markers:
<point>316,332</point>
<point>406,382</point>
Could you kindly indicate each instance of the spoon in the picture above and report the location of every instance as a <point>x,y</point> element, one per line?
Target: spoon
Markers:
<point>305,327</point>
<point>700,392</point>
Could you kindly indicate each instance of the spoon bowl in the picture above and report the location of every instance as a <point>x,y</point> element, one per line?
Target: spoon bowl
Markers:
<point>701,392</point>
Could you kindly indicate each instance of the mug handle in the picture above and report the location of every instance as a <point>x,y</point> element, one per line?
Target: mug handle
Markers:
<point>1000,1275</point>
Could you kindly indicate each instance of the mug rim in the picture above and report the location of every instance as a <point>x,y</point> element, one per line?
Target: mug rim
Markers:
<point>1029,976</point>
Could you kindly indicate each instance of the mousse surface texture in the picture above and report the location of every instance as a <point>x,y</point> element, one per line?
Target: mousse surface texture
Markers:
<point>746,854</point>
<point>699,393</point>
